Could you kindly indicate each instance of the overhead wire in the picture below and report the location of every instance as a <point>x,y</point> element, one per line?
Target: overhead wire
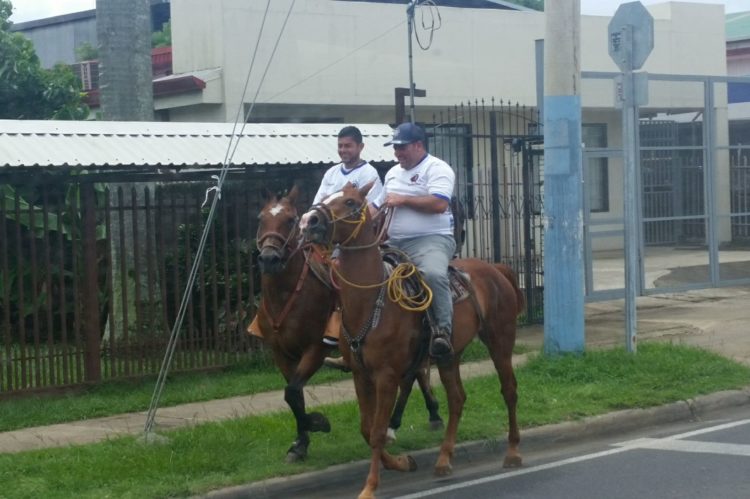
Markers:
<point>197,261</point>
<point>435,23</point>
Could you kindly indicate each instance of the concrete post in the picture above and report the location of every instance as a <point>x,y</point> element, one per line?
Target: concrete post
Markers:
<point>563,189</point>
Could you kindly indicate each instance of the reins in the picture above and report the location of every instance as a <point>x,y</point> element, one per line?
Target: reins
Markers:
<point>395,282</point>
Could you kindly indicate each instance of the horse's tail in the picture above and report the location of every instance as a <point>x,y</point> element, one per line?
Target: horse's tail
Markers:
<point>511,276</point>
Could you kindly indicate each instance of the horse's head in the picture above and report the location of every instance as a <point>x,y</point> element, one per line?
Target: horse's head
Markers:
<point>277,231</point>
<point>339,218</point>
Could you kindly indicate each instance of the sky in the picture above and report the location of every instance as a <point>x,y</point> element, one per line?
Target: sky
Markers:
<point>28,10</point>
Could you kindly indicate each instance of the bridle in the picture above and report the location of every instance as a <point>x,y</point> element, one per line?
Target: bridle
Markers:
<point>265,240</point>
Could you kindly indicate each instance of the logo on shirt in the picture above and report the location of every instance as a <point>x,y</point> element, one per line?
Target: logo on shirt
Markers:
<point>414,179</point>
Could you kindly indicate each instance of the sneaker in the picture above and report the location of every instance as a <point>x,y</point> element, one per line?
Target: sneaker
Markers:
<point>337,363</point>
<point>440,346</point>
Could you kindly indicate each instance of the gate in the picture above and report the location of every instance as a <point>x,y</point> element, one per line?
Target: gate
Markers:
<point>497,153</point>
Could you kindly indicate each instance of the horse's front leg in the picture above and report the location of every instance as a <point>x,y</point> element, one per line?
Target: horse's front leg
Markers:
<point>384,398</point>
<point>295,398</point>
<point>398,411</point>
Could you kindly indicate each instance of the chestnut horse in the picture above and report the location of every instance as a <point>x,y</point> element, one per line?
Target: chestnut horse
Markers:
<point>386,338</point>
<point>296,303</point>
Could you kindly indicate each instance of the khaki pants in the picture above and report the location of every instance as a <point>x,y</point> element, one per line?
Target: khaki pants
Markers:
<point>332,332</point>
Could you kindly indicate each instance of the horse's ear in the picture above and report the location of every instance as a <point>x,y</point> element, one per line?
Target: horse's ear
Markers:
<point>267,194</point>
<point>293,193</point>
<point>366,188</point>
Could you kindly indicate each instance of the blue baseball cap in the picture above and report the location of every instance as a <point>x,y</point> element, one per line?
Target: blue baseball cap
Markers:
<point>406,133</point>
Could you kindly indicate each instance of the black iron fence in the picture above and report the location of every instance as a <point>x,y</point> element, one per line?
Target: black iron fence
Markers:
<point>496,148</point>
<point>93,265</point>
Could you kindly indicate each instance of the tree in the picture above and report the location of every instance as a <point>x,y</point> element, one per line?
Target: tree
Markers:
<point>27,91</point>
<point>162,38</point>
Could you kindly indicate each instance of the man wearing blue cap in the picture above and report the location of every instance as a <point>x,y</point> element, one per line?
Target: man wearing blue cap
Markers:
<point>419,190</point>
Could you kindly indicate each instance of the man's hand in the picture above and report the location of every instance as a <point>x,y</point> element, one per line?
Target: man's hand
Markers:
<point>392,200</point>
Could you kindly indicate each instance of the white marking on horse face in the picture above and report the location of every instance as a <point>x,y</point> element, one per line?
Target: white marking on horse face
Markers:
<point>276,210</point>
<point>303,220</point>
<point>333,196</point>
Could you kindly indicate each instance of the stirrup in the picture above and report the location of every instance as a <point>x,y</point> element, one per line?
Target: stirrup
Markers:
<point>440,345</point>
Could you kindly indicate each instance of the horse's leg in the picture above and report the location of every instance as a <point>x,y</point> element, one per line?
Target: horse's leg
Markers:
<point>451,378</point>
<point>502,357</point>
<point>430,401</point>
<point>398,411</point>
<point>384,397</point>
<point>295,398</point>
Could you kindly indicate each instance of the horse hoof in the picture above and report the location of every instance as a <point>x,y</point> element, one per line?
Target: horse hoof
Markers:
<point>412,463</point>
<point>390,436</point>
<point>296,453</point>
<point>317,422</point>
<point>436,425</point>
<point>443,470</point>
<point>512,461</point>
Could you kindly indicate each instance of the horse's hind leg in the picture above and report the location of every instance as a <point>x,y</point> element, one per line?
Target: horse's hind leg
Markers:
<point>502,357</point>
<point>430,401</point>
<point>451,378</point>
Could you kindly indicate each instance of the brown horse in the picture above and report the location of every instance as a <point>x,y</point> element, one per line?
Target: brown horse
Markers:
<point>385,351</point>
<point>296,303</point>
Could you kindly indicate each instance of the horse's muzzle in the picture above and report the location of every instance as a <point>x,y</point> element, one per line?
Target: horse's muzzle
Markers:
<point>314,226</point>
<point>270,261</point>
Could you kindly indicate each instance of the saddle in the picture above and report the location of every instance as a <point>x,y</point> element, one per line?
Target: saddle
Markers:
<point>460,282</point>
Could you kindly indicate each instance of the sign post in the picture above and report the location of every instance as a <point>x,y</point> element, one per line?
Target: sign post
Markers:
<point>631,39</point>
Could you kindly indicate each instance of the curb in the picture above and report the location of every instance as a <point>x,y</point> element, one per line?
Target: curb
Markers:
<point>594,426</point>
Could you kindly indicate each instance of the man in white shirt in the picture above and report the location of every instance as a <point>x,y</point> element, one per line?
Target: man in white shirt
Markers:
<point>358,172</point>
<point>419,190</point>
<point>352,169</point>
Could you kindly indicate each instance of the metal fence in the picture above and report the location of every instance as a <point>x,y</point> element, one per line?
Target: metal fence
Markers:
<point>497,152</point>
<point>93,269</point>
<point>94,264</point>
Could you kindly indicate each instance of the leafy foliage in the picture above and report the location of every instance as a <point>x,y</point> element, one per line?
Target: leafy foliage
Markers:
<point>162,38</point>
<point>27,91</point>
<point>86,52</point>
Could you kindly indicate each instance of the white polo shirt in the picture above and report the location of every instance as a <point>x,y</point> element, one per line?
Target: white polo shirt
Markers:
<point>432,176</point>
<point>337,176</point>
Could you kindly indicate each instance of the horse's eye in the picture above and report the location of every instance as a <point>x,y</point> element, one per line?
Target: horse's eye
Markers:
<point>349,202</point>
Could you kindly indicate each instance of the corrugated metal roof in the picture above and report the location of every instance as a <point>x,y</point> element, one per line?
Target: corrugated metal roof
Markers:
<point>738,26</point>
<point>111,144</point>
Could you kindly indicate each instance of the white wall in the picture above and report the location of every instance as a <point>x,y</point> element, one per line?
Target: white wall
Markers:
<point>476,53</point>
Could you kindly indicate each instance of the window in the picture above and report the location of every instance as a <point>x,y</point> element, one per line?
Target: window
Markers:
<point>597,169</point>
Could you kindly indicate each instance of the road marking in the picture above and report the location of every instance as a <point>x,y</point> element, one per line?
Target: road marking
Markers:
<point>692,446</point>
<point>639,443</point>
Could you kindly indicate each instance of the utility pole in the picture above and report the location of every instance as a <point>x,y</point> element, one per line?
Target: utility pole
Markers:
<point>563,188</point>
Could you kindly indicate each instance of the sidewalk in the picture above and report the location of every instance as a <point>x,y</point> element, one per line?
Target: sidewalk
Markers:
<point>714,319</point>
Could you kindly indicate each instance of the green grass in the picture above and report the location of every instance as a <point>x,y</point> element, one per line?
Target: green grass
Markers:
<point>214,455</point>
<point>117,397</point>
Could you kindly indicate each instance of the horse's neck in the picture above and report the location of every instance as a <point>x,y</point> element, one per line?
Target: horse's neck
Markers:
<point>359,269</point>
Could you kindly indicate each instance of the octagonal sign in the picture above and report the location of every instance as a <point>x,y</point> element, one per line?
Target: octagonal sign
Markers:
<point>631,36</point>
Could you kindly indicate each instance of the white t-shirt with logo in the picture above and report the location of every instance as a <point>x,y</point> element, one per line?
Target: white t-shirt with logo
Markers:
<point>337,176</point>
<point>432,176</point>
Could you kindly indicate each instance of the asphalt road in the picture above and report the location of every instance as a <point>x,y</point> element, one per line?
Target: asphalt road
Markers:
<point>710,458</point>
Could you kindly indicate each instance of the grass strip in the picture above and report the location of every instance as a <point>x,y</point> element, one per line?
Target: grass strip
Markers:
<point>215,455</point>
<point>118,397</point>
